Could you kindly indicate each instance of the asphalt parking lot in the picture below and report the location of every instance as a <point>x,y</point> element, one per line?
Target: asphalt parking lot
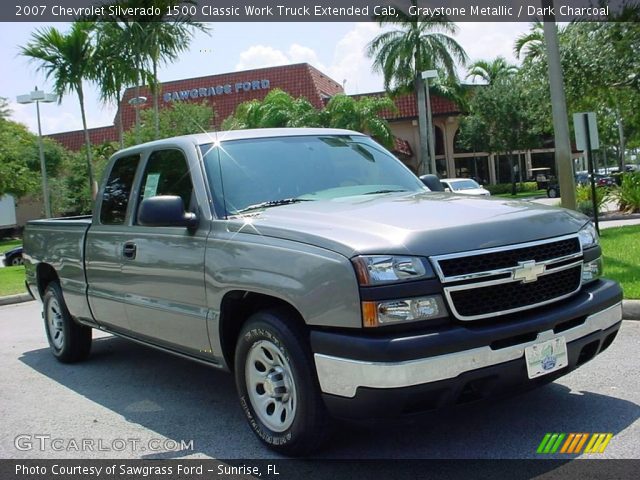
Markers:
<point>127,391</point>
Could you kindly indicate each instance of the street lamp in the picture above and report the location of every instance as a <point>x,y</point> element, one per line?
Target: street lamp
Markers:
<point>36,97</point>
<point>136,103</point>
<point>426,75</point>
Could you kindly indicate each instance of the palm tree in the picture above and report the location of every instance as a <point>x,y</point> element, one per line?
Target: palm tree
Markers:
<point>419,43</point>
<point>492,70</point>
<point>361,115</point>
<point>154,39</point>
<point>67,58</point>
<point>116,71</point>
<point>5,111</point>
<point>531,45</point>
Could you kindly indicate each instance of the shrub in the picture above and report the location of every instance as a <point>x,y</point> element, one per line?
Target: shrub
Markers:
<point>500,188</point>
<point>584,200</point>
<point>628,194</point>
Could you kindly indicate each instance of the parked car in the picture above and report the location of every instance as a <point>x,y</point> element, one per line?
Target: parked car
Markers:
<point>336,285</point>
<point>13,257</point>
<point>582,179</point>
<point>464,186</point>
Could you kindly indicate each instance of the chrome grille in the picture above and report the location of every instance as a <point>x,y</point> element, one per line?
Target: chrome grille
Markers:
<point>498,281</point>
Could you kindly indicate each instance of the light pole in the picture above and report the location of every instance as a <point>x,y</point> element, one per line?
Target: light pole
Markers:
<point>36,97</point>
<point>136,103</point>
<point>426,75</point>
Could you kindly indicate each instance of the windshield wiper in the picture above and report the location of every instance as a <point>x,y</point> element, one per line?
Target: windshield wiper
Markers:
<point>272,203</point>
<point>389,190</point>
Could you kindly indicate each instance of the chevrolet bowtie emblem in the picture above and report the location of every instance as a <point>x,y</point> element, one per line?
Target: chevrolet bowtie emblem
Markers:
<point>528,271</point>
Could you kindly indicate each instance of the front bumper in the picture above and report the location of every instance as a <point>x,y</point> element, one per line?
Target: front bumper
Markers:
<point>380,378</point>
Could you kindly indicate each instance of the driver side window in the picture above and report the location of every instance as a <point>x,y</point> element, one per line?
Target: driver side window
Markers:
<point>167,173</point>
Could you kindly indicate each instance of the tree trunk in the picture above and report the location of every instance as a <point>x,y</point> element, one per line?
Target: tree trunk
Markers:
<point>120,130</point>
<point>423,160</point>
<point>514,190</point>
<point>562,144</point>
<point>156,113</point>
<point>622,141</point>
<point>93,187</point>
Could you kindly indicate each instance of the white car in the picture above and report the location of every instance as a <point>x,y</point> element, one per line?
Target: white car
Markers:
<point>464,186</point>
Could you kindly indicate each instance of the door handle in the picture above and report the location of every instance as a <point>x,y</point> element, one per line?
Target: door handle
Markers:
<point>129,250</point>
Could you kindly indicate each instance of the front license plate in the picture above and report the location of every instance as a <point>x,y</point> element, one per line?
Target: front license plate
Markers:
<point>546,357</point>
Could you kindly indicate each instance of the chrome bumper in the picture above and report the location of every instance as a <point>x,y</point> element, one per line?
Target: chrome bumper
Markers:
<point>343,376</point>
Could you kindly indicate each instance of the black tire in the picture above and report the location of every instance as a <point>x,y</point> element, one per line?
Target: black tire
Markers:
<point>552,192</point>
<point>307,427</point>
<point>16,261</point>
<point>69,341</point>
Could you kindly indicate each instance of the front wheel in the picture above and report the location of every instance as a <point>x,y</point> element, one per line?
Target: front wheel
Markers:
<point>552,192</point>
<point>277,385</point>
<point>69,341</point>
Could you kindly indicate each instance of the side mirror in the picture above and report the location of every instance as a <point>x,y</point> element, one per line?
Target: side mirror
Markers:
<point>432,182</point>
<point>447,189</point>
<point>165,211</point>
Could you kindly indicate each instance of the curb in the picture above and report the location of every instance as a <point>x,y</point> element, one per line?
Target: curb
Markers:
<point>631,309</point>
<point>11,299</point>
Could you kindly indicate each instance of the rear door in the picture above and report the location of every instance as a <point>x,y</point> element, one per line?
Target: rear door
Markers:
<point>164,268</point>
<point>105,243</point>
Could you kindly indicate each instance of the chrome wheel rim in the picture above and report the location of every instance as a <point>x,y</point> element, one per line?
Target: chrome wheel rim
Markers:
<point>54,323</point>
<point>270,385</point>
<point>17,261</point>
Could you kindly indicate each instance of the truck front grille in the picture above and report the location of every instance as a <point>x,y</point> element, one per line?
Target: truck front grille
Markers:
<point>492,282</point>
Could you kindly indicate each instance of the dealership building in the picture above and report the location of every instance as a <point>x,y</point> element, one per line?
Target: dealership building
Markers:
<point>224,92</point>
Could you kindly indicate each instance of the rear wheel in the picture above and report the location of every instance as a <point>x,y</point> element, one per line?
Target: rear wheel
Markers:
<point>277,385</point>
<point>552,192</point>
<point>69,341</point>
<point>16,261</point>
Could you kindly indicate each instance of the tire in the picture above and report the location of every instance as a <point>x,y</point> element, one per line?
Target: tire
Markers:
<point>69,341</point>
<point>552,193</point>
<point>16,261</point>
<point>277,384</point>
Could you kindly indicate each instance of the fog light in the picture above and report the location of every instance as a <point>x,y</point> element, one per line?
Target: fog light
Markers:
<point>404,310</point>
<point>591,270</point>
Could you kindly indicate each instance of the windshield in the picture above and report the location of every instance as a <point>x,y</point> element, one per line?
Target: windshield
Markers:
<point>268,172</point>
<point>464,185</point>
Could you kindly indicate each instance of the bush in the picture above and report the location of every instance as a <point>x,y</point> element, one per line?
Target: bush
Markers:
<point>628,194</point>
<point>584,201</point>
<point>500,188</point>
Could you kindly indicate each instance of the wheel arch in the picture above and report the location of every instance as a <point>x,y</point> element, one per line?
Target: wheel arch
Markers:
<point>236,308</point>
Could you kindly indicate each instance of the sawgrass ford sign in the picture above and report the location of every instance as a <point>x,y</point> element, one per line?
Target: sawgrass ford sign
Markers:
<point>214,90</point>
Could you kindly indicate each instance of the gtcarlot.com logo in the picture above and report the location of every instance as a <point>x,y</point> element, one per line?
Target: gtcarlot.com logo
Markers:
<point>574,443</point>
<point>45,442</point>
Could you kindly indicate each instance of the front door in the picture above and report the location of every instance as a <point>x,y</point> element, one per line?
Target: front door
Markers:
<point>164,266</point>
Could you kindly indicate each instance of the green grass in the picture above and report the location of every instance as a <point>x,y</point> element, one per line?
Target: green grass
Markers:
<point>8,245</point>
<point>621,249</point>
<point>536,193</point>
<point>12,281</point>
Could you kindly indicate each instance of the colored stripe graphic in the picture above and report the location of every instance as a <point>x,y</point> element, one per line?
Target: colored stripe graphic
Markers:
<point>573,443</point>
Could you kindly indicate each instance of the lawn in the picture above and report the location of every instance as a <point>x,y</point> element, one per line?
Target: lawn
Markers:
<point>621,248</point>
<point>12,281</point>
<point>8,245</point>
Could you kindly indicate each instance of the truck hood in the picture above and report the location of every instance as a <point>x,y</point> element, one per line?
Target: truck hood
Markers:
<point>429,223</point>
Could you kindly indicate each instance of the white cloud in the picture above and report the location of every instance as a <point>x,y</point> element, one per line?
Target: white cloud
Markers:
<point>349,61</point>
<point>259,56</point>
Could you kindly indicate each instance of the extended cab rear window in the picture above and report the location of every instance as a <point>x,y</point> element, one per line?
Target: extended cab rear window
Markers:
<point>117,190</point>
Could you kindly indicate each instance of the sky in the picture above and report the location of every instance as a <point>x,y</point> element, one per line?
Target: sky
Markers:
<point>336,49</point>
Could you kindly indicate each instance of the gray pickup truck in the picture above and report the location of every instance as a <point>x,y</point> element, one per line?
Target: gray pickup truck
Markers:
<point>323,273</point>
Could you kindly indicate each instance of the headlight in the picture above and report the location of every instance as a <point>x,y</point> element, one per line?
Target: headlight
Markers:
<point>591,270</point>
<point>379,269</point>
<point>588,236</point>
<point>388,312</point>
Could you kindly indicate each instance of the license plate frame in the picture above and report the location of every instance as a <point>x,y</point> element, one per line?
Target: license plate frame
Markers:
<point>546,357</point>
